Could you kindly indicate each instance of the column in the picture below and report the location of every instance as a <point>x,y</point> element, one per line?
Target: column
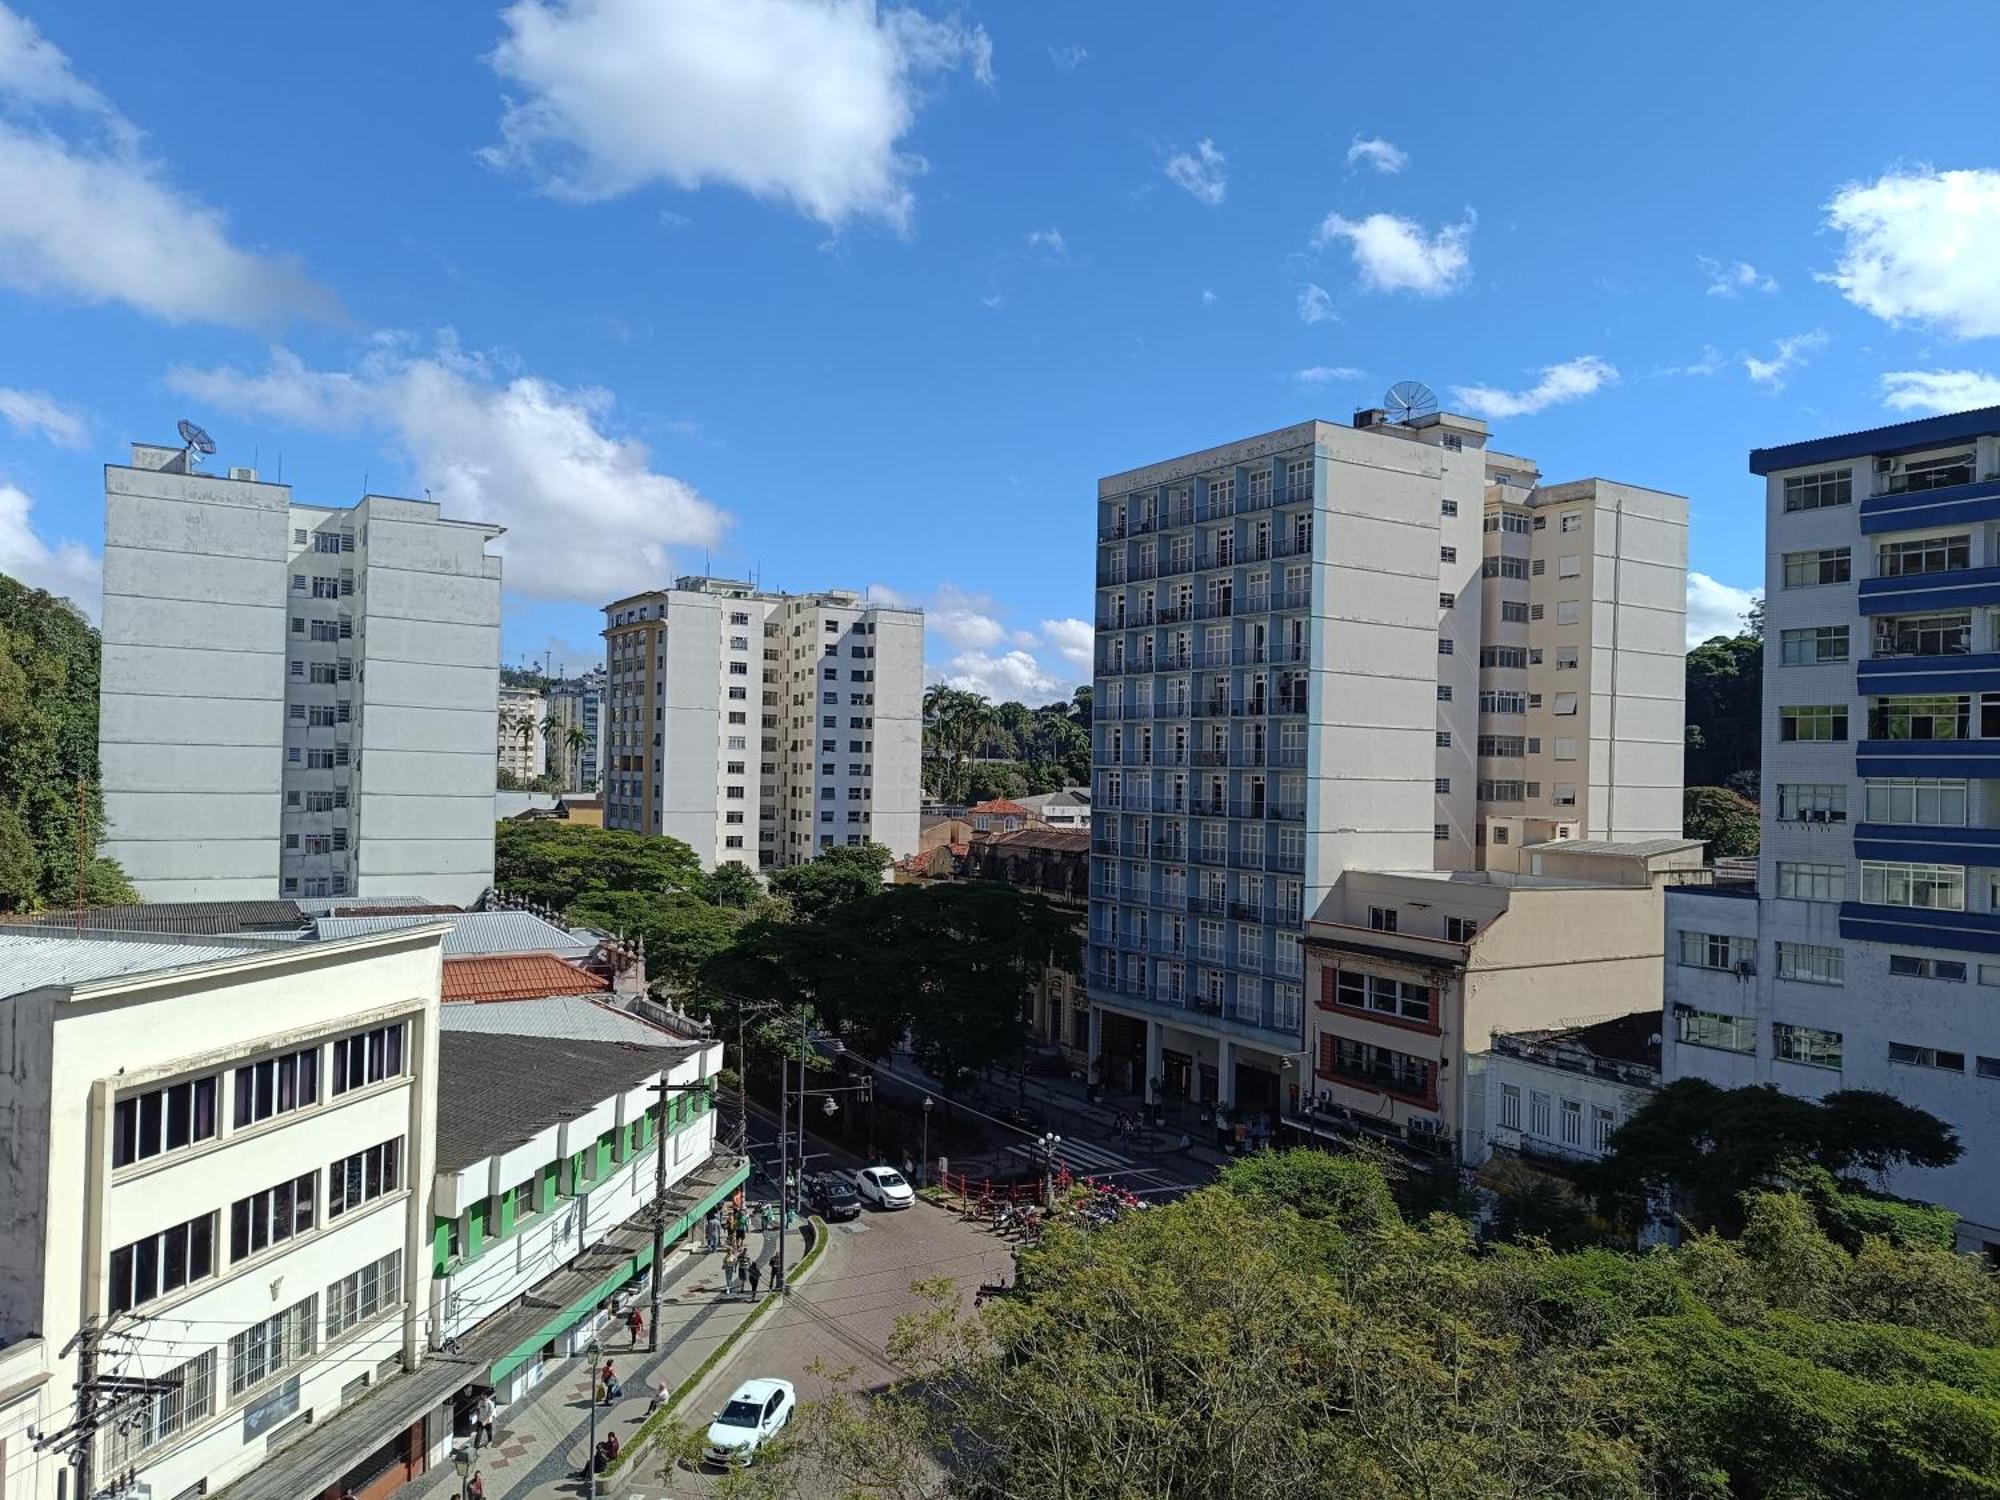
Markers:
<point>1225,1073</point>
<point>1156,1036</point>
<point>1095,1046</point>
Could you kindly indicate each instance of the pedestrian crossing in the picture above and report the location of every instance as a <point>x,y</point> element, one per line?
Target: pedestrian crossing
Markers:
<point>1083,1159</point>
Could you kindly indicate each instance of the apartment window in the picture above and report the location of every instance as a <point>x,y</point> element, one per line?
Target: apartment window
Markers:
<point>1930,803</point>
<point>368,1057</point>
<point>1503,567</point>
<point>1538,1110</point>
<point>1805,570</point>
<point>1503,656</point>
<point>1926,1057</point>
<point>1440,831</point>
<point>1382,918</point>
<point>1516,522</point>
<point>1812,963</point>
<point>1500,833</point>
<point>1812,645</point>
<point>739,618</point>
<point>365,1295</point>
<point>1448,554</point>
<point>1460,929</point>
<point>1503,703</point>
<point>1572,1122</point>
<point>1564,749</point>
<point>1510,1106</point>
<point>1447,507</point>
<point>1444,739</point>
<point>1717,950</point>
<point>276,1086</point>
<point>149,1269</point>
<point>1568,611</point>
<point>326,541</point>
<point>1824,722</point>
<point>1502,791</point>
<point>1445,646</point>
<point>1378,992</point>
<point>363,1177</point>
<point>1565,703</point>
<point>1441,785</point>
<point>1928,887</point>
<point>1802,881</point>
<point>185,1398</point>
<point>1444,692</point>
<point>1569,567</point>
<point>163,1120</point>
<point>1817,491</point>
<point>1513,614</point>
<point>264,1349</point>
<point>1710,1028</point>
<point>272,1216</point>
<point>1924,635</point>
<point>1534,611</point>
<point>1377,1067</point>
<point>1446,601</point>
<point>1931,554</point>
<point>1813,802</point>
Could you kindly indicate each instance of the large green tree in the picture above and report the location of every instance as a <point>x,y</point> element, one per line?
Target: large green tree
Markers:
<point>1725,705</point>
<point>1726,819</point>
<point>975,750</point>
<point>49,656</point>
<point>840,874</point>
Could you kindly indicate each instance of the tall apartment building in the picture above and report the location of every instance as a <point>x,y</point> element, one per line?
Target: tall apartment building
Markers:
<point>521,748</point>
<point>763,727</point>
<point>1324,649</point>
<point>577,703</point>
<point>1868,954</point>
<point>297,699</point>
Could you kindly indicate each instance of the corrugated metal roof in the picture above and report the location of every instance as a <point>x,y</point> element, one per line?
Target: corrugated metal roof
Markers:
<point>28,963</point>
<point>498,1092</point>
<point>473,932</point>
<point>190,918</point>
<point>577,1017</point>
<point>1635,849</point>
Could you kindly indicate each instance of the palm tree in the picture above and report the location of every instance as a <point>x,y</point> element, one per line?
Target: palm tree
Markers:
<point>955,721</point>
<point>576,740</point>
<point>551,730</point>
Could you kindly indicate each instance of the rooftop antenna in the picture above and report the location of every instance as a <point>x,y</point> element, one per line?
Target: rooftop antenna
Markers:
<point>1409,399</point>
<point>197,442</point>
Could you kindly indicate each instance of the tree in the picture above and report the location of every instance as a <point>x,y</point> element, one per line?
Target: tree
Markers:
<point>838,875</point>
<point>1726,820</point>
<point>556,863</point>
<point>682,931</point>
<point>1725,705</point>
<point>734,886</point>
<point>955,721</point>
<point>576,742</point>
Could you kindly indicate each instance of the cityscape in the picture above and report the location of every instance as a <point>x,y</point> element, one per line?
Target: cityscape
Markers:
<point>1193,876</point>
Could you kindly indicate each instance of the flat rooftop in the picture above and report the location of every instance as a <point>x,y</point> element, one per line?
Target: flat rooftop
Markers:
<point>29,961</point>
<point>473,932</point>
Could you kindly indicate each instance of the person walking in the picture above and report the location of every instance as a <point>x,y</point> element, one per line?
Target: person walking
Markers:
<point>729,1276</point>
<point>778,1272</point>
<point>476,1488</point>
<point>754,1277</point>
<point>714,1229</point>
<point>482,1419</point>
<point>612,1390</point>
<point>637,1323</point>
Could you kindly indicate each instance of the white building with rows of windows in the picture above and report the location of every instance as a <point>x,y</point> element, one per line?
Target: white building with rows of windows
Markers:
<point>1868,955</point>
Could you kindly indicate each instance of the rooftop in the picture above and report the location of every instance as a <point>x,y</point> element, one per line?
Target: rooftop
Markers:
<point>1899,437</point>
<point>516,977</point>
<point>1052,840</point>
<point>473,932</point>
<point>1634,849</point>
<point>582,1018</point>
<point>192,918</point>
<point>498,1092</point>
<point>1000,807</point>
<point>1632,1039</point>
<point>29,961</point>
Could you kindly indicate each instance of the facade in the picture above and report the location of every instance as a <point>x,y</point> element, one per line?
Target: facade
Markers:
<point>1864,956</point>
<point>760,728</point>
<point>522,750</point>
<point>219,1155</point>
<point>1323,649</point>
<point>1068,808</point>
<point>297,699</point>
<point>1556,1094</point>
<point>1413,974</point>
<point>578,704</point>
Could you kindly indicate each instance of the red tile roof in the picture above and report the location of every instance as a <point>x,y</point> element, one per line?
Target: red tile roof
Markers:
<point>519,976</point>
<point>1000,807</point>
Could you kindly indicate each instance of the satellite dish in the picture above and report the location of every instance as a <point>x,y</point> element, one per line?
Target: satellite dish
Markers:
<point>196,439</point>
<point>1410,398</point>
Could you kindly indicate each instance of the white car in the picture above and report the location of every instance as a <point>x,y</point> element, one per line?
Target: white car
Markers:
<point>884,1187</point>
<point>749,1419</point>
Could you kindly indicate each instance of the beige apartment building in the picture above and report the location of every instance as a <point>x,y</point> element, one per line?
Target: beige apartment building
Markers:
<point>1412,973</point>
<point>761,728</point>
<point>523,754</point>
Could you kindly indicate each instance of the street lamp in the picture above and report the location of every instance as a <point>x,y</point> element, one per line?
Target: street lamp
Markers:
<point>590,1464</point>
<point>926,1179</point>
<point>1050,1140</point>
<point>461,1460</point>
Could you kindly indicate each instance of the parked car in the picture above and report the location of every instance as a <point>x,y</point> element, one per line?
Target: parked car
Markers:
<point>749,1419</point>
<point>884,1187</point>
<point>833,1196</point>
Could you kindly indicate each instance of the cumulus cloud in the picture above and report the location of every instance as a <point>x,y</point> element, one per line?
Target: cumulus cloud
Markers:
<point>1072,639</point>
<point>587,516</point>
<point>1049,242</point>
<point>1787,355</point>
<point>1072,56</point>
<point>1571,380</point>
<point>89,216</point>
<point>1315,305</point>
<point>799,102</point>
<point>1398,255</point>
<point>34,414</point>
<point>1202,171</point>
<point>1326,374</point>
<point>68,567</point>
<point>1207,297</point>
<point>1922,247</point>
<point>1003,675</point>
<point>1940,390</point>
<point>1712,362</point>
<point>971,643</point>
<point>964,619</point>
<point>1714,608</point>
<point>1734,278</point>
<point>1373,151</point>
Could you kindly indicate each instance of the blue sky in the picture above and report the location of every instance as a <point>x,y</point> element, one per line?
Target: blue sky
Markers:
<point>844,295</point>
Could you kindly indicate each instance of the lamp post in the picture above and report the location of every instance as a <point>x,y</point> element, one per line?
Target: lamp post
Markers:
<point>926,1173</point>
<point>461,1460</point>
<point>590,1464</point>
<point>1050,1140</point>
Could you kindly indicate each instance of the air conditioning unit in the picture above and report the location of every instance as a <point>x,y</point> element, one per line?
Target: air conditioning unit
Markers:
<point>1425,1125</point>
<point>1885,466</point>
<point>1745,969</point>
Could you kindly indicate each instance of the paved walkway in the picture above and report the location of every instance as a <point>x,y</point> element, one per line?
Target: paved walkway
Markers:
<point>541,1441</point>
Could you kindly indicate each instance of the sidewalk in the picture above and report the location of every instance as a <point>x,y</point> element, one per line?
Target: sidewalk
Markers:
<point>540,1442</point>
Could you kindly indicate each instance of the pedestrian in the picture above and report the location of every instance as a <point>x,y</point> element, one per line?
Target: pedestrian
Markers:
<point>637,1323</point>
<point>754,1278</point>
<point>612,1390</point>
<point>1185,1144</point>
<point>729,1276</point>
<point>778,1272</point>
<point>909,1167</point>
<point>714,1230</point>
<point>476,1490</point>
<point>482,1419</point>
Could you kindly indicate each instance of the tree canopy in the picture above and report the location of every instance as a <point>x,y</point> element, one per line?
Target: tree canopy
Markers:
<point>840,875</point>
<point>1726,819</point>
<point>975,749</point>
<point>1725,707</point>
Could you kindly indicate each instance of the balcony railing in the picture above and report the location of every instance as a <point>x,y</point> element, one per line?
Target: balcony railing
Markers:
<point>1287,861</point>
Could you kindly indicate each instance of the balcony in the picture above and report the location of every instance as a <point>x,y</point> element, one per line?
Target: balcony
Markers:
<point>1970,759</point>
<point>1172,852</point>
<point>1207,807</point>
<point>1954,931</point>
<point>1966,504</point>
<point>1210,757</point>
<point>1287,861</point>
<point>1247,859</point>
<point>1953,672</point>
<point>1204,855</point>
<point>1928,844</point>
<point>1133,619</point>
<point>1928,593</point>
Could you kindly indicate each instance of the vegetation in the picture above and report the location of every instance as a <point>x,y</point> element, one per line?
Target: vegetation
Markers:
<point>48,725</point>
<point>975,750</point>
<point>1726,819</point>
<point>1287,1333</point>
<point>1725,706</point>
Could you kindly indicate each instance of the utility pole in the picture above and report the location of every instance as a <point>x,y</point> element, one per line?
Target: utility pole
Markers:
<point>663,1089</point>
<point>100,1399</point>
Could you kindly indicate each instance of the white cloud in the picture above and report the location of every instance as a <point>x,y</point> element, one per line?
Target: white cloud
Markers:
<point>1922,247</point>
<point>964,619</point>
<point>1397,255</point>
<point>1315,305</point>
<point>1073,639</point>
<point>1207,298</point>
<point>68,568</point>
<point>34,413</point>
<point>1735,277</point>
<point>1326,374</point>
<point>587,516</point>
<point>1072,56</point>
<point>1203,172</point>
<point>88,216</point>
<point>1940,390</point>
<point>1788,355</point>
<point>1373,151</point>
<point>1714,608</point>
<point>881,593</point>
<point>1571,380</point>
<point>1049,242</point>
<point>1002,676</point>
<point>1711,362</point>
<point>803,102</point>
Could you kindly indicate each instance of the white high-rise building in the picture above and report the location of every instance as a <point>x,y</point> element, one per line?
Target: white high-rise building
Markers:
<point>760,728</point>
<point>298,700</point>
<point>1867,956</point>
<point>1330,648</point>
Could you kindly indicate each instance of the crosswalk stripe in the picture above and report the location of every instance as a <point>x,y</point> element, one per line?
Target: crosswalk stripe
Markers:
<point>1078,1156</point>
